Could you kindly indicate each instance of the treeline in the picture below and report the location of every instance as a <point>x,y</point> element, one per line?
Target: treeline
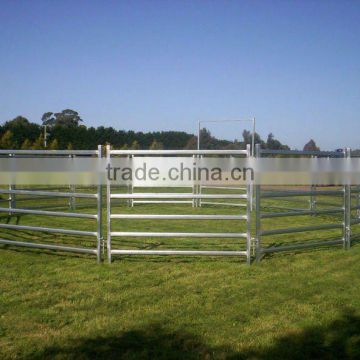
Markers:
<point>65,130</point>
<point>19,133</point>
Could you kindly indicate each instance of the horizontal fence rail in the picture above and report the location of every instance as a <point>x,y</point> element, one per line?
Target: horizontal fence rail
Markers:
<point>276,204</point>
<point>342,209</point>
<point>178,152</point>
<point>177,234</point>
<point>178,217</point>
<point>303,153</point>
<point>48,213</point>
<point>273,194</point>
<point>180,252</point>
<point>22,196</point>
<point>48,193</point>
<point>50,152</point>
<point>176,198</point>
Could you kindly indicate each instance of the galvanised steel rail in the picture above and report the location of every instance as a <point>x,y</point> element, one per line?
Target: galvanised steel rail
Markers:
<point>162,202</point>
<point>36,195</point>
<point>178,217</point>
<point>223,203</point>
<point>220,203</point>
<point>200,187</point>
<point>133,201</point>
<point>275,194</point>
<point>344,210</point>
<point>180,252</point>
<point>224,187</point>
<point>301,213</point>
<point>178,152</point>
<point>48,193</point>
<point>303,153</point>
<point>48,213</point>
<point>50,152</point>
<point>48,229</point>
<point>176,234</point>
<point>300,246</point>
<point>178,198</point>
<point>194,153</point>
<point>48,246</point>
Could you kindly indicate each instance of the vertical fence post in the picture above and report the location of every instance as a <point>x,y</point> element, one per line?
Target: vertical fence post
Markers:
<point>248,211</point>
<point>257,212</point>
<point>347,208</point>
<point>312,200</point>
<point>194,189</point>
<point>108,208</point>
<point>253,138</point>
<point>99,208</point>
<point>130,186</point>
<point>199,200</point>
<point>72,189</point>
<point>11,197</point>
<point>197,185</point>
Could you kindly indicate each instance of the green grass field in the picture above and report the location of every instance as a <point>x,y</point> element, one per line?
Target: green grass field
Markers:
<point>296,305</point>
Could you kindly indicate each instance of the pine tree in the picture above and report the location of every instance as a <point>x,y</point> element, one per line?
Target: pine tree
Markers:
<point>135,145</point>
<point>191,144</point>
<point>311,146</point>
<point>39,143</point>
<point>156,145</point>
<point>26,145</point>
<point>6,141</point>
<point>54,145</point>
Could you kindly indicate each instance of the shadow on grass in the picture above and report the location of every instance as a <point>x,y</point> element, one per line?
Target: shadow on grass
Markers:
<point>151,343</point>
<point>339,340</point>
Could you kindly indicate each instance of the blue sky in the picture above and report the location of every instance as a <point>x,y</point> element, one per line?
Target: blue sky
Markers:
<point>164,65</point>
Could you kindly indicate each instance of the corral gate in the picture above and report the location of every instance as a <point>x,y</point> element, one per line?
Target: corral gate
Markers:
<point>342,208</point>
<point>111,217</point>
<point>16,197</point>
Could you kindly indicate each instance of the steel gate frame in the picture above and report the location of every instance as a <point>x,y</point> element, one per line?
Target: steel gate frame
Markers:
<point>259,250</point>
<point>200,187</point>
<point>12,209</point>
<point>345,210</point>
<point>110,216</point>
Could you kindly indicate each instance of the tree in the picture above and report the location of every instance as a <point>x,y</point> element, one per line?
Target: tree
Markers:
<point>311,146</point>
<point>68,117</point>
<point>206,140</point>
<point>156,145</point>
<point>22,129</point>
<point>247,136</point>
<point>54,145</point>
<point>39,143</point>
<point>19,120</point>
<point>273,144</point>
<point>48,119</point>
<point>69,146</point>
<point>26,145</point>
<point>236,145</point>
<point>7,141</point>
<point>135,145</point>
<point>191,144</point>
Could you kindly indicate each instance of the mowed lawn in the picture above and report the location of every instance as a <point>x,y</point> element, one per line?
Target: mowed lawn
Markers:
<point>296,305</point>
